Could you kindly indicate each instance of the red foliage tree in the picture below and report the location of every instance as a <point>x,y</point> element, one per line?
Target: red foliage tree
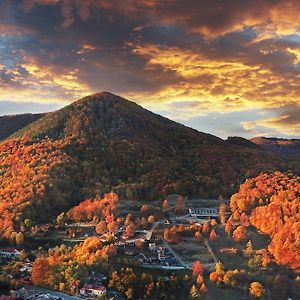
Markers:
<point>197,268</point>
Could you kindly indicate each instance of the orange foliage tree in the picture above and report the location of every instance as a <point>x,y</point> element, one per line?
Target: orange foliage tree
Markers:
<point>69,265</point>
<point>239,234</point>
<point>270,202</point>
<point>88,209</point>
<point>213,235</point>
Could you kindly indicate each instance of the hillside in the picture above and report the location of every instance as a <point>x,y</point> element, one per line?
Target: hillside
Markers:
<point>104,143</point>
<point>13,123</point>
<point>239,141</point>
<point>270,202</point>
<point>109,115</point>
<point>288,147</point>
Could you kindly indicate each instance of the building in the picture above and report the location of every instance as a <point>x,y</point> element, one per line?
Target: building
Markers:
<point>152,246</point>
<point>21,293</point>
<point>161,253</point>
<point>90,290</point>
<point>204,212</point>
<point>9,253</point>
<point>45,227</point>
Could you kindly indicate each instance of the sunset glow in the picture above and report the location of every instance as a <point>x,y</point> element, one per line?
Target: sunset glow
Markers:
<point>202,63</point>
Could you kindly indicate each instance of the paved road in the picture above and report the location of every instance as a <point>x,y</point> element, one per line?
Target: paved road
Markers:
<point>166,245</point>
<point>81,224</point>
<point>150,231</point>
<point>35,290</point>
<point>75,240</point>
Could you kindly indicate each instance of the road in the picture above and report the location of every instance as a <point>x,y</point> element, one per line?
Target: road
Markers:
<point>167,246</point>
<point>32,290</point>
<point>81,224</point>
<point>150,231</point>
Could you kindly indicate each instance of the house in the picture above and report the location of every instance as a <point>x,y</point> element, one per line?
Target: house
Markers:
<point>152,246</point>
<point>21,293</point>
<point>161,253</point>
<point>45,227</point>
<point>93,290</point>
<point>9,253</point>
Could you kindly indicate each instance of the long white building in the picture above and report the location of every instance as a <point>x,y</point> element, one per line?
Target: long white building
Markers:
<point>9,253</point>
<point>204,212</point>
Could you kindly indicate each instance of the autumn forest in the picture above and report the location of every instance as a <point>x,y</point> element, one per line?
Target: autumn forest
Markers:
<point>94,187</point>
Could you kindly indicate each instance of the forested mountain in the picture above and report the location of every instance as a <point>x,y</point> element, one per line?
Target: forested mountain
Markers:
<point>288,147</point>
<point>239,141</point>
<point>104,143</point>
<point>13,123</point>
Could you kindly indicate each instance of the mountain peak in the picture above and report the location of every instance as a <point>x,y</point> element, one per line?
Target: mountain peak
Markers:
<point>289,147</point>
<point>103,97</point>
<point>92,114</point>
<point>105,115</point>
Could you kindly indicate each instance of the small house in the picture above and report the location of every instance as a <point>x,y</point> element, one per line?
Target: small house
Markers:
<point>93,290</point>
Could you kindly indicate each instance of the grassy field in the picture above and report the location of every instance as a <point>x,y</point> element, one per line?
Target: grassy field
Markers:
<point>215,293</point>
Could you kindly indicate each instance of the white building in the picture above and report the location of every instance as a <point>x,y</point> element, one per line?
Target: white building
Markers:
<point>161,253</point>
<point>152,246</point>
<point>9,253</point>
<point>93,290</point>
<point>204,212</point>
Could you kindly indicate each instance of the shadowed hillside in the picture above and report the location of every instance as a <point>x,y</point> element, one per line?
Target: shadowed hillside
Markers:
<point>11,124</point>
<point>288,147</point>
<point>239,141</point>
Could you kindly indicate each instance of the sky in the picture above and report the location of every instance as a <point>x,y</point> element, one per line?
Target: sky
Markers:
<point>230,68</point>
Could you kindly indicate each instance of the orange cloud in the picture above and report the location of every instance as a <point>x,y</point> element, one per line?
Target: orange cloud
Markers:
<point>276,125</point>
<point>223,85</point>
<point>296,53</point>
<point>41,84</point>
<point>185,58</point>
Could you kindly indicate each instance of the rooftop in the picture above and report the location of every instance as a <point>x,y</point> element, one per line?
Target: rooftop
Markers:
<point>10,250</point>
<point>94,287</point>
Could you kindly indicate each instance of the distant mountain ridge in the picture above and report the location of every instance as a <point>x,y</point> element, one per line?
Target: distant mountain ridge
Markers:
<point>239,141</point>
<point>11,123</point>
<point>289,147</point>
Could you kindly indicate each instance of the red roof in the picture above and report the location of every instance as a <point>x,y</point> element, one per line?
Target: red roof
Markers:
<point>99,288</point>
<point>93,287</point>
<point>45,227</point>
<point>10,250</point>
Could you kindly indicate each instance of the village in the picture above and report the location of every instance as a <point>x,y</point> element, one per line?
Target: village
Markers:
<point>148,249</point>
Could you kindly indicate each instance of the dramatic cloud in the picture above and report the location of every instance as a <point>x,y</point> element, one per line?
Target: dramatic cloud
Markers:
<point>286,121</point>
<point>193,61</point>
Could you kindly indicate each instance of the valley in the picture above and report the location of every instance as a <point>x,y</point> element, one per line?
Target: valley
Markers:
<point>149,150</point>
<point>177,239</point>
